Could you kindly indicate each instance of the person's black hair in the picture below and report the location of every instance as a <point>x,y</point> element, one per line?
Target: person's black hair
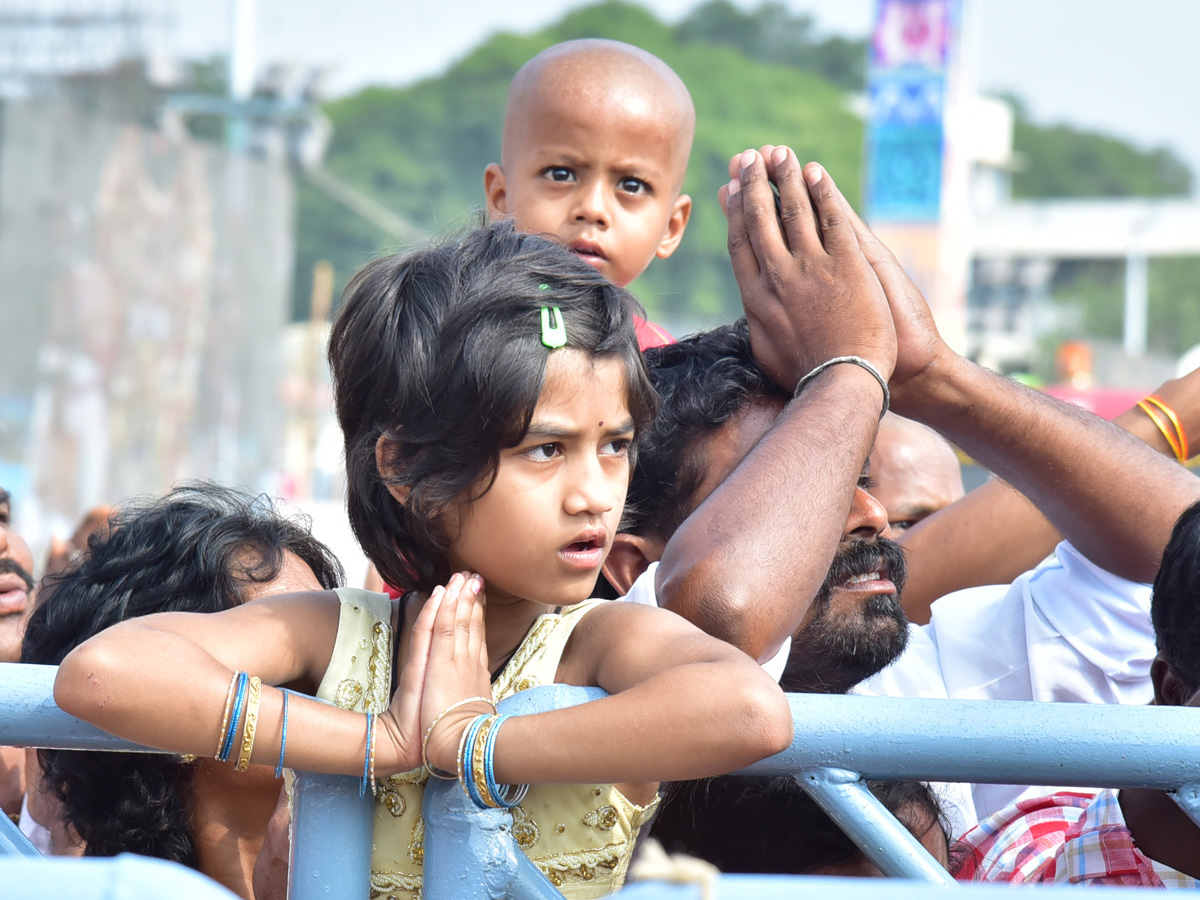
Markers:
<point>702,381</point>
<point>771,826</point>
<point>1175,603</point>
<point>437,360</point>
<point>202,547</point>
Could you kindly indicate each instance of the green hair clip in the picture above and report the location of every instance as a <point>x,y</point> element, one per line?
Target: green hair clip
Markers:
<point>554,329</point>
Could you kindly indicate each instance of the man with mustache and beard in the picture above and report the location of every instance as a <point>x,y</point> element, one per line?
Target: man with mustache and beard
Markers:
<point>715,403</point>
<point>16,582</point>
<point>16,592</point>
<point>748,497</point>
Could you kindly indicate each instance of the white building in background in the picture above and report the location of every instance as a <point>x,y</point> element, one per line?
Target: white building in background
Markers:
<point>1018,245</point>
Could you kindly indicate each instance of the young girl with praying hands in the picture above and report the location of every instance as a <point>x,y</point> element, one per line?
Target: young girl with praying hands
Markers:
<point>489,390</point>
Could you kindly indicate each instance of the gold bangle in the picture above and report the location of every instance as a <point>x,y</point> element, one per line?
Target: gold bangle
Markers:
<point>478,771</point>
<point>1161,424</point>
<point>1182,447</point>
<point>225,717</point>
<point>253,695</point>
<point>462,752</point>
<point>435,772</point>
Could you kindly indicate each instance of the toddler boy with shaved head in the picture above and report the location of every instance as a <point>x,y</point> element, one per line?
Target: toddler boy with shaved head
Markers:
<point>596,141</point>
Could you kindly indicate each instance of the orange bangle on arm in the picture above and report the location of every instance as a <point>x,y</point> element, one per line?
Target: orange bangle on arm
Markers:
<point>1163,427</point>
<point>1183,453</point>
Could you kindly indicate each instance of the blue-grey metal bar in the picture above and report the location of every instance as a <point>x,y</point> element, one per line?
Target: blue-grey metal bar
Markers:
<point>848,802</point>
<point>994,741</point>
<point>330,850</point>
<point>32,719</point>
<point>550,696</point>
<point>1020,743</point>
<point>124,877</point>
<point>879,737</point>
<point>13,842</point>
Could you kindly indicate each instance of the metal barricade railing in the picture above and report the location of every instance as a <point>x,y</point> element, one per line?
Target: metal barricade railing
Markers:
<point>470,854</point>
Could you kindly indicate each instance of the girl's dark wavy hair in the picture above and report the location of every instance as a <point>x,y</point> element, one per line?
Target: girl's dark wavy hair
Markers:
<point>437,360</point>
<point>200,548</point>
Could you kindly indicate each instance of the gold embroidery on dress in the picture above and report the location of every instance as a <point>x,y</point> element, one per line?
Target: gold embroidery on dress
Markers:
<point>385,883</point>
<point>530,647</point>
<point>603,818</point>
<point>525,830</point>
<point>582,864</point>
<point>348,693</point>
<point>379,666</point>
<point>416,847</point>
<point>394,801</point>
<point>412,776</point>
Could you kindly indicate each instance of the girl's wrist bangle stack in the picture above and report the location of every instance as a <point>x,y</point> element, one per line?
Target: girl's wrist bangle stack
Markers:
<point>476,752</point>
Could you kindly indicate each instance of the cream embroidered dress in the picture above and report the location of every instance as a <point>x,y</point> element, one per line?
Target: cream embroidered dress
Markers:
<point>580,836</point>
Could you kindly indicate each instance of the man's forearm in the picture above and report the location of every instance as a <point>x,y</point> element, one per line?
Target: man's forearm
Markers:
<point>1110,494</point>
<point>745,565</point>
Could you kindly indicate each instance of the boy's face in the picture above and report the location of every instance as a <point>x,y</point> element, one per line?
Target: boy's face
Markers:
<point>600,168</point>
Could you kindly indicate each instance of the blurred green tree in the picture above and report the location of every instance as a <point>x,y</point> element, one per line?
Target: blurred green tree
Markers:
<point>757,76</point>
<point>421,150</point>
<point>772,33</point>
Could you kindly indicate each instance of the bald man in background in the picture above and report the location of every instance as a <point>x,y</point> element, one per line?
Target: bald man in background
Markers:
<point>914,472</point>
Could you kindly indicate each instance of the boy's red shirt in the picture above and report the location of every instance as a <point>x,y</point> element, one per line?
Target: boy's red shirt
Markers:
<point>651,335</point>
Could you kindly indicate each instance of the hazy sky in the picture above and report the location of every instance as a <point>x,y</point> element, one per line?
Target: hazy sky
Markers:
<point>1129,68</point>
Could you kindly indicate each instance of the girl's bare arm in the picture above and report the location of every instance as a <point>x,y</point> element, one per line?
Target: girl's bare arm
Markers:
<point>162,680</point>
<point>683,705</point>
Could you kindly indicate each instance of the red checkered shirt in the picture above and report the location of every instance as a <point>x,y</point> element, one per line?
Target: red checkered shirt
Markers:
<point>1065,838</point>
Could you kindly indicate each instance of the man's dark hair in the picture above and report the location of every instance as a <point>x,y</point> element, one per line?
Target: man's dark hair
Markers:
<point>1175,604</point>
<point>703,382</point>
<point>440,354</point>
<point>202,547</point>
<point>771,826</point>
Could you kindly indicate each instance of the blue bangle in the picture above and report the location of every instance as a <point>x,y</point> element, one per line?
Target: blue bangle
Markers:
<point>512,794</point>
<point>283,736</point>
<point>238,704</point>
<point>362,785</point>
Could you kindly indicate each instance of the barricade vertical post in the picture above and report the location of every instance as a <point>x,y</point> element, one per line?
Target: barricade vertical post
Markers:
<point>867,822</point>
<point>1188,798</point>
<point>330,854</point>
<point>13,842</point>
<point>469,853</point>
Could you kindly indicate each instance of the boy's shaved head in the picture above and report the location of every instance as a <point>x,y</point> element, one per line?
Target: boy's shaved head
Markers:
<point>597,136</point>
<point>594,70</point>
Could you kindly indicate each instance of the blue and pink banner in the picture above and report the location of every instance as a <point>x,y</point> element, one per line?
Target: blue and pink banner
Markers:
<point>906,89</point>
